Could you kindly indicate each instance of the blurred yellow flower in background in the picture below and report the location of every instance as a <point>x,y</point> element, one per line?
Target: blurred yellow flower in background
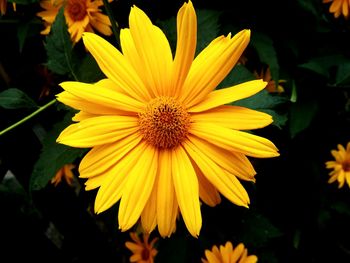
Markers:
<point>161,135</point>
<point>339,7</point>
<point>81,16</point>
<point>341,165</point>
<point>228,254</point>
<point>143,251</point>
<point>64,173</point>
<point>265,75</point>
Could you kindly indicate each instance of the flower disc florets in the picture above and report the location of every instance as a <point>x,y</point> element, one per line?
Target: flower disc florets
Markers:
<point>164,123</point>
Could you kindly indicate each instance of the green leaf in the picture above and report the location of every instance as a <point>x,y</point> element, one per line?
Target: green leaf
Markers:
<point>341,207</point>
<point>322,65</point>
<point>53,156</point>
<point>238,74</point>
<point>59,47</point>
<point>301,115</point>
<point>208,27</point>
<point>268,103</point>
<point>16,99</point>
<point>316,67</point>
<point>256,230</point>
<point>266,51</point>
<point>343,74</point>
<point>88,70</point>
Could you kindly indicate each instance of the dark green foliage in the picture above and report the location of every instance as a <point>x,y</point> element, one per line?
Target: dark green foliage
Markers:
<point>294,214</point>
<point>16,99</point>
<point>53,156</point>
<point>59,48</point>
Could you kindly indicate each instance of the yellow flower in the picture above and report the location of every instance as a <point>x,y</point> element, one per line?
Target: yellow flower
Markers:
<point>226,254</point>
<point>271,84</point>
<point>81,16</point>
<point>160,134</point>
<point>66,173</point>
<point>341,165</point>
<point>339,7</point>
<point>143,251</point>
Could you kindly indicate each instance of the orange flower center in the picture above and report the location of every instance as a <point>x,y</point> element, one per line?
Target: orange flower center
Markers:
<point>164,123</point>
<point>145,254</point>
<point>76,9</point>
<point>346,166</point>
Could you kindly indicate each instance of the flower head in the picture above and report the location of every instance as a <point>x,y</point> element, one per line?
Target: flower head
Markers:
<point>228,254</point>
<point>66,173</point>
<point>80,15</point>
<point>339,7</point>
<point>160,134</point>
<point>143,251</point>
<point>271,84</point>
<point>341,165</point>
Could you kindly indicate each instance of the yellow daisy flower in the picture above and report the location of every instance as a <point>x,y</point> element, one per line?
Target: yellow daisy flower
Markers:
<point>66,173</point>
<point>160,134</point>
<point>81,16</point>
<point>341,165</point>
<point>271,84</point>
<point>143,251</point>
<point>226,254</point>
<point>339,7</point>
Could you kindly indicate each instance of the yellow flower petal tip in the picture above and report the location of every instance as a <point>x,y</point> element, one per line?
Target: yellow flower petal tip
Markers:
<point>157,117</point>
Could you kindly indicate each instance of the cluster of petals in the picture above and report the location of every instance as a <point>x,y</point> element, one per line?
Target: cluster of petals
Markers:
<point>339,7</point>
<point>340,166</point>
<point>81,16</point>
<point>228,254</point>
<point>163,138</point>
<point>142,250</point>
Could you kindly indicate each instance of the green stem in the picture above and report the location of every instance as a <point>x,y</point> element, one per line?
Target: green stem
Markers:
<point>114,23</point>
<point>28,117</point>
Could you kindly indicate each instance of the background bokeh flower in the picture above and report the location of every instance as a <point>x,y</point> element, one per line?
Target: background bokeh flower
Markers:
<point>340,166</point>
<point>81,16</point>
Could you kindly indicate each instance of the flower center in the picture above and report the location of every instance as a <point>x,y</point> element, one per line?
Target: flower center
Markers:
<point>76,9</point>
<point>164,123</point>
<point>145,254</point>
<point>346,166</point>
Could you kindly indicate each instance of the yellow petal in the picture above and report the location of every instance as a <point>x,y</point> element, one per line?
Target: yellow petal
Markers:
<point>138,188</point>
<point>115,66</point>
<point>233,140</point>
<point>86,106</point>
<point>212,257</point>
<point>153,49</point>
<point>102,96</point>
<point>228,95</point>
<point>235,163</point>
<point>207,192</point>
<point>186,189</point>
<point>234,117</point>
<point>251,259</point>
<point>82,115</point>
<point>167,207</point>
<point>115,179</point>
<point>101,158</point>
<point>212,65</point>
<point>237,252</point>
<point>227,184</point>
<point>186,45</point>
<point>98,130</point>
<point>149,213</point>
